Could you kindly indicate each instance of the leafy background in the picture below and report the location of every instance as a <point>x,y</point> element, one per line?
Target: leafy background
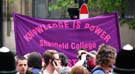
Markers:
<point>96,7</point>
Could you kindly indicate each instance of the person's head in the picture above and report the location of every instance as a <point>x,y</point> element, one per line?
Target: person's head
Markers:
<point>80,52</point>
<point>50,56</point>
<point>79,70</point>
<point>106,55</point>
<point>7,62</point>
<point>35,60</point>
<point>125,63</point>
<point>21,65</point>
<point>90,60</point>
<point>63,59</point>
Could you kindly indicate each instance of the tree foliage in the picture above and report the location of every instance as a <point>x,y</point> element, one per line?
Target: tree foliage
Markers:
<point>102,6</point>
<point>105,5</point>
<point>60,4</point>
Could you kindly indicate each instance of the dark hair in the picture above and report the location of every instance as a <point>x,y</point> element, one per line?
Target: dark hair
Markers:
<point>20,58</point>
<point>63,59</point>
<point>35,60</point>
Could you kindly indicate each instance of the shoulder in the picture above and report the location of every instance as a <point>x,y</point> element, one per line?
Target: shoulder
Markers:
<point>65,70</point>
<point>45,72</point>
<point>36,70</point>
<point>98,72</point>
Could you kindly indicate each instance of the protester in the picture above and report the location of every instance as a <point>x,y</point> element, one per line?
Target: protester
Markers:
<point>125,63</point>
<point>65,69</point>
<point>79,70</point>
<point>105,59</point>
<point>7,62</point>
<point>52,62</point>
<point>21,65</point>
<point>35,62</point>
<point>81,54</point>
<point>90,61</point>
<point>86,59</point>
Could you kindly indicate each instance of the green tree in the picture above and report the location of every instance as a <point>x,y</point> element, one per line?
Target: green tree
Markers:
<point>61,5</point>
<point>104,6</point>
<point>97,6</point>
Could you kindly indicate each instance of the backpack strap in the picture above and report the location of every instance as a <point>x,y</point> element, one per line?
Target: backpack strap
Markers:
<point>97,68</point>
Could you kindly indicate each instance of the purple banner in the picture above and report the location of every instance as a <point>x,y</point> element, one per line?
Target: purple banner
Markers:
<point>67,36</point>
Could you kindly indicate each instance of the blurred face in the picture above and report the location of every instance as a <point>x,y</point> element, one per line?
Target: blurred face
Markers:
<point>56,56</point>
<point>112,61</point>
<point>22,66</point>
<point>57,59</point>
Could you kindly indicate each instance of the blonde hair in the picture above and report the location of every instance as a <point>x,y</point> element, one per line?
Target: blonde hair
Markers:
<point>104,53</point>
<point>79,70</point>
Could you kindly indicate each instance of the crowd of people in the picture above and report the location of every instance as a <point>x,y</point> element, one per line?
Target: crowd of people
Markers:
<point>105,60</point>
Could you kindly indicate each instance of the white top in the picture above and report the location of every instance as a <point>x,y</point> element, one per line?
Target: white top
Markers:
<point>45,72</point>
